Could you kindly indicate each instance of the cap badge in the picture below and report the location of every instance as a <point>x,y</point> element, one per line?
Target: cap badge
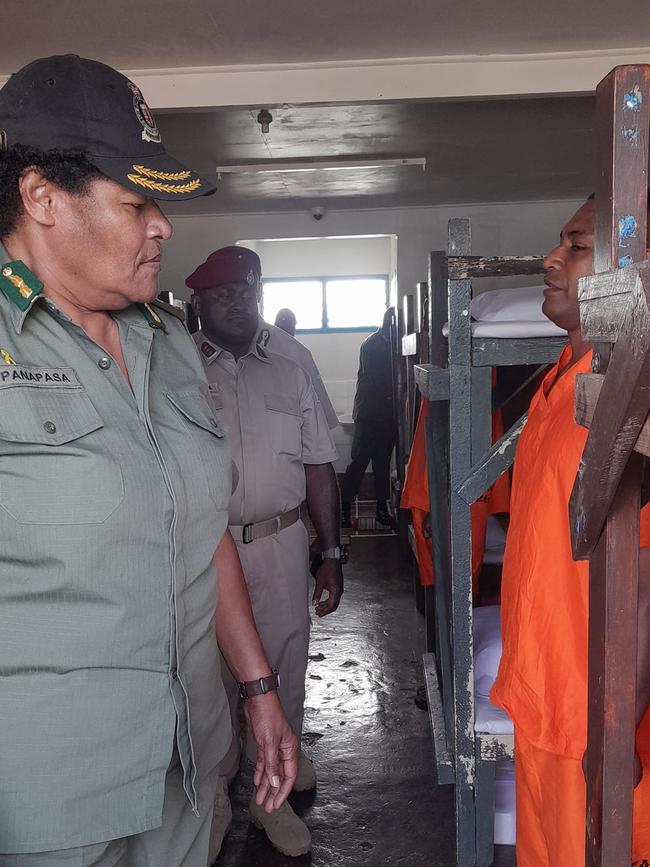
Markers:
<point>250,277</point>
<point>163,182</point>
<point>143,113</point>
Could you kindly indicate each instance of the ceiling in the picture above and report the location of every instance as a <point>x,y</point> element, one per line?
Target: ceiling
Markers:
<point>153,34</point>
<point>476,151</point>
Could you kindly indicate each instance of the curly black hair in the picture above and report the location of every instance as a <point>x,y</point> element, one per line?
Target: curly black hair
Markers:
<point>68,169</point>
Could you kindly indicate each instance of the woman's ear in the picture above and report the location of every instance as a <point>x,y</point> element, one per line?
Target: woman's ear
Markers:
<point>37,195</point>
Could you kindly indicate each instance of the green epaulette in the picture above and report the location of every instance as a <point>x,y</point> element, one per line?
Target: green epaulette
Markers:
<point>19,284</point>
<point>169,308</point>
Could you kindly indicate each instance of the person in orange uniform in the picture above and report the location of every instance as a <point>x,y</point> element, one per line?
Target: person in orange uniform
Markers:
<point>415,497</point>
<point>542,679</point>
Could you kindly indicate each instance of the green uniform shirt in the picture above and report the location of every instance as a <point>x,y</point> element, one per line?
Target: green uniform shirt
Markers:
<point>108,527</point>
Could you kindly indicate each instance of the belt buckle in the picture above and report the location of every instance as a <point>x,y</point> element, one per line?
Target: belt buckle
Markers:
<point>247,534</point>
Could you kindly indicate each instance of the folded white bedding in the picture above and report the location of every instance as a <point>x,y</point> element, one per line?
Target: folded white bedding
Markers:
<point>523,304</point>
<point>513,328</point>
<point>510,313</point>
<point>487,654</point>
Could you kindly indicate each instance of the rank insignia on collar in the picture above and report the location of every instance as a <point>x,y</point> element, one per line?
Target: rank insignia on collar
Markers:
<point>19,284</point>
<point>207,349</point>
<point>152,317</point>
<point>4,355</point>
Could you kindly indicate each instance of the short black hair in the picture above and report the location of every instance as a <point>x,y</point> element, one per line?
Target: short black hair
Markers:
<point>68,169</point>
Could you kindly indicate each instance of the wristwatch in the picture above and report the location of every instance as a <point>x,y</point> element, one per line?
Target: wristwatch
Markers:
<point>332,554</point>
<point>261,686</point>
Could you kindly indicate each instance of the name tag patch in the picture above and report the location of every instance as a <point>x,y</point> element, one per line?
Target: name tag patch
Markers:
<point>43,377</point>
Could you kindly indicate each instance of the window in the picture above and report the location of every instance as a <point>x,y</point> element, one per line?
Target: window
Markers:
<point>328,303</point>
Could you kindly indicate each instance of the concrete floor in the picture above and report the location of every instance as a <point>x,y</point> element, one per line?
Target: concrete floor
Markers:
<point>377,803</point>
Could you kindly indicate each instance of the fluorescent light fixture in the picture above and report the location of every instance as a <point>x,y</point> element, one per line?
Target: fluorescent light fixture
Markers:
<point>307,165</point>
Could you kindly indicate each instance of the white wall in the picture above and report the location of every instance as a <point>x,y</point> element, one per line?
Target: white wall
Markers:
<point>324,257</point>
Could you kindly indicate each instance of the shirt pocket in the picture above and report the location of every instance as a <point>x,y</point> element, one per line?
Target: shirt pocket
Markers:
<point>284,424</point>
<point>205,460</point>
<point>54,465</point>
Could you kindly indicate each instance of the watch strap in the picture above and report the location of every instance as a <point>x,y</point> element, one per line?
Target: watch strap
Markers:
<point>332,553</point>
<point>249,688</point>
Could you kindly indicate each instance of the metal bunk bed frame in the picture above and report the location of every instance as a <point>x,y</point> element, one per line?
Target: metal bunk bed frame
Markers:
<point>462,465</point>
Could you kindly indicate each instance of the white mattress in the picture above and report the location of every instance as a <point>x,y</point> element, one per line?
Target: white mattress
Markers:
<point>513,328</point>
<point>511,313</point>
<point>488,718</point>
<point>493,720</point>
<point>505,813</point>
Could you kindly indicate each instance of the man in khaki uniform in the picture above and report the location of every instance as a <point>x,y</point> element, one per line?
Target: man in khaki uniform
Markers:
<point>283,451</point>
<point>113,716</point>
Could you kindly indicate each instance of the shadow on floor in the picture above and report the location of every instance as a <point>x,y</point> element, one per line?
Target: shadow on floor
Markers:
<point>377,802</point>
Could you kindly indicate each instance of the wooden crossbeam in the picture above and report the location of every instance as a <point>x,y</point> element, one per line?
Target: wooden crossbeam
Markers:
<point>468,267</point>
<point>605,502</point>
<point>588,386</point>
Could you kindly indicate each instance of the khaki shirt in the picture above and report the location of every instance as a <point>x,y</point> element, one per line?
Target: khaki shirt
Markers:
<point>276,425</point>
<point>281,343</point>
<point>109,524</point>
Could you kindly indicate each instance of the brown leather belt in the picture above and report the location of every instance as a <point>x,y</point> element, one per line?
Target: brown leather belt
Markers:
<point>252,532</point>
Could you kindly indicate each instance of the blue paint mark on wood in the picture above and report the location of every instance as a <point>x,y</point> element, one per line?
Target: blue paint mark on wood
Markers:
<point>624,261</point>
<point>626,229</point>
<point>633,99</point>
<point>631,135</point>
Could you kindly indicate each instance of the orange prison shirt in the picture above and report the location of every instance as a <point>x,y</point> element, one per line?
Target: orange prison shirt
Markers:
<point>542,679</point>
<point>415,497</point>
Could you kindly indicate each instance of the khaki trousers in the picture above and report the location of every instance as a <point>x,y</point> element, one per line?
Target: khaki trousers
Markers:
<point>182,840</point>
<point>276,570</point>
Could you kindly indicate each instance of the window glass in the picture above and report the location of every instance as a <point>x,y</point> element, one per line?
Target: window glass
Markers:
<point>355,303</point>
<point>304,297</point>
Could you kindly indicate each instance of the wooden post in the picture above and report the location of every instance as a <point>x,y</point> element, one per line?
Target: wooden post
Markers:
<point>606,498</point>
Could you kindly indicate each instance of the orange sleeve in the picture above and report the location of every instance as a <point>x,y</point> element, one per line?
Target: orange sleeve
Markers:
<point>645,527</point>
<point>416,483</point>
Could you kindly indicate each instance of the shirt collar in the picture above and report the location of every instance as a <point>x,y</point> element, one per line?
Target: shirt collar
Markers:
<point>211,351</point>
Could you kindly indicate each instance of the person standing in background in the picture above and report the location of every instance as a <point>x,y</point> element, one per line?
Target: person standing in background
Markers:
<point>286,320</point>
<point>374,422</point>
<point>283,451</point>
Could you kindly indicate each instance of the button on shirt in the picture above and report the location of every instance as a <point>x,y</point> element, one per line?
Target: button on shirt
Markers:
<point>109,523</point>
<point>276,425</point>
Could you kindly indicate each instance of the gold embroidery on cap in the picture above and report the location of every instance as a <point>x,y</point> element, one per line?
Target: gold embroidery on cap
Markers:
<point>159,187</point>
<point>162,176</point>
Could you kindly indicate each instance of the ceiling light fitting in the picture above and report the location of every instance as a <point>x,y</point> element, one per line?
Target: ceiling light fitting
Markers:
<point>280,166</point>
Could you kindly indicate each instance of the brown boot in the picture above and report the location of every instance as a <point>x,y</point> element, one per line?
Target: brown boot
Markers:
<point>221,819</point>
<point>306,778</point>
<point>286,831</point>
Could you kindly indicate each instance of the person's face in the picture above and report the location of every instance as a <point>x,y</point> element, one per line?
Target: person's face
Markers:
<point>572,259</point>
<point>229,312</point>
<point>108,246</point>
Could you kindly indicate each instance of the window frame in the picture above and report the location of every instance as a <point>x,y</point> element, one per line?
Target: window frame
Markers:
<point>323,280</point>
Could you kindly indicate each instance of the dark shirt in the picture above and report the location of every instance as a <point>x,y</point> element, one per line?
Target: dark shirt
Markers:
<point>373,400</point>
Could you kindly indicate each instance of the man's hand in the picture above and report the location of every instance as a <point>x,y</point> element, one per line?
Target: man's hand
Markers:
<point>277,750</point>
<point>329,579</point>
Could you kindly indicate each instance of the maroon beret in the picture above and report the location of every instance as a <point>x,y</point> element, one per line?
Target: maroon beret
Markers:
<point>227,265</point>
